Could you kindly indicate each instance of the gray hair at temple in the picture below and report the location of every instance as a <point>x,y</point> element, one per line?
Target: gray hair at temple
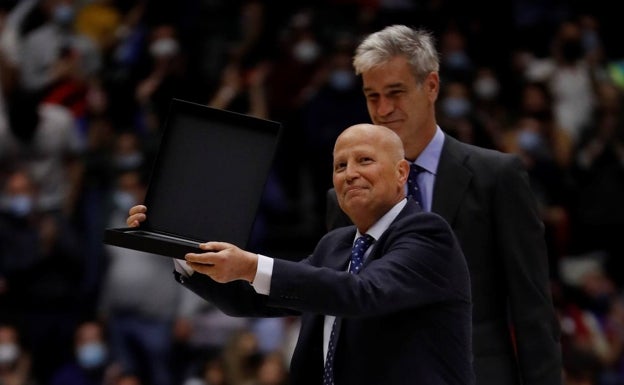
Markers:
<point>417,45</point>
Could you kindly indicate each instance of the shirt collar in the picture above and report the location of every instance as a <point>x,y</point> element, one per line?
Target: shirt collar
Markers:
<point>430,156</point>
<point>384,222</point>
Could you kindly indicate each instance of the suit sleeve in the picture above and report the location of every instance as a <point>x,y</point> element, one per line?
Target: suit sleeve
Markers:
<point>417,264</point>
<point>236,298</point>
<point>525,258</point>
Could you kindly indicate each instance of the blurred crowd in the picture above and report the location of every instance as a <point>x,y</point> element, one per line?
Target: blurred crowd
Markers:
<point>85,88</point>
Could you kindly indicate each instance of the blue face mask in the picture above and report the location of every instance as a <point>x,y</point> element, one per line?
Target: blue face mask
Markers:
<point>123,200</point>
<point>455,107</point>
<point>342,80</point>
<point>458,60</point>
<point>91,355</point>
<point>18,205</point>
<point>63,14</point>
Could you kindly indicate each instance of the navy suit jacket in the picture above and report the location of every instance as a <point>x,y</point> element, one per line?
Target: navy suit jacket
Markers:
<point>405,318</point>
<point>486,198</point>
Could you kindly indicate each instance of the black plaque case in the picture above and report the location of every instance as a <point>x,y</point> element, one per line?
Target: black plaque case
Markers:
<point>206,183</point>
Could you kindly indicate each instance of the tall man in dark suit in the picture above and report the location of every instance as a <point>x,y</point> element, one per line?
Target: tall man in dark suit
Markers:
<point>403,315</point>
<point>485,196</point>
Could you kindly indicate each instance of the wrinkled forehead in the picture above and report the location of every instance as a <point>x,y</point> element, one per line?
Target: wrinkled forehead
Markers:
<point>343,151</point>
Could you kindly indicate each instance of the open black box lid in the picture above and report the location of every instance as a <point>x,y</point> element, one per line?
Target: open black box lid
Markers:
<point>206,183</point>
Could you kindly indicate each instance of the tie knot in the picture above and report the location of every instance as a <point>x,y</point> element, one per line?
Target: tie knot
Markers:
<point>363,242</point>
<point>357,253</point>
<point>415,169</point>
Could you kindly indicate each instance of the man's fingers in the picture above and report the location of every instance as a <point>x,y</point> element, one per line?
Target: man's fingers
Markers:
<point>138,209</point>
<point>204,259</point>
<point>135,220</point>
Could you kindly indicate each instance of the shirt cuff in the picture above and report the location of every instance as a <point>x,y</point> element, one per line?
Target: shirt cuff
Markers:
<point>262,280</point>
<point>182,268</point>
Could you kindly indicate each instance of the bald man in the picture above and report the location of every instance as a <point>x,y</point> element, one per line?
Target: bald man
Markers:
<point>404,316</point>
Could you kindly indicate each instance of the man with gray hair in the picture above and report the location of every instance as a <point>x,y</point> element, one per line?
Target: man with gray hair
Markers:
<point>486,198</point>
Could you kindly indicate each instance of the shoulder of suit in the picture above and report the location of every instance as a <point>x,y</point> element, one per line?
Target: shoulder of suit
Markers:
<point>412,209</point>
<point>481,154</point>
<point>339,232</point>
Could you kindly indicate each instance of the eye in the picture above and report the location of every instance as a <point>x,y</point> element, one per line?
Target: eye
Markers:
<point>338,167</point>
<point>366,160</point>
<point>395,93</point>
<point>371,97</point>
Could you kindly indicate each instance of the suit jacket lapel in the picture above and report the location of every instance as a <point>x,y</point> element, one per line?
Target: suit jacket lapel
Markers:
<point>452,180</point>
<point>339,259</point>
<point>409,207</point>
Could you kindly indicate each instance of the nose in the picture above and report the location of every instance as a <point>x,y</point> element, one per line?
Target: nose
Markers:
<point>385,106</point>
<point>351,171</point>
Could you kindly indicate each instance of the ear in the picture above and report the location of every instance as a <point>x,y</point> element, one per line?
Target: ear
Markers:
<point>402,171</point>
<point>431,85</point>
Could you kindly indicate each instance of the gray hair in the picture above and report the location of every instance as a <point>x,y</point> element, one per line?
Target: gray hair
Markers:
<point>417,45</point>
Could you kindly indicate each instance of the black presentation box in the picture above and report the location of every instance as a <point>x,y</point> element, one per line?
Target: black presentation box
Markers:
<point>206,183</point>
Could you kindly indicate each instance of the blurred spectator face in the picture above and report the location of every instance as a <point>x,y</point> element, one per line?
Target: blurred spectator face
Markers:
<point>164,44</point>
<point>305,48</point>
<point>272,370</point>
<point>9,347</point>
<point>127,152</point>
<point>569,42</point>
<point>454,50</point>
<point>456,103</point>
<point>90,348</point>
<point>18,195</point>
<point>129,192</point>
<point>341,76</point>
<point>129,379</point>
<point>486,85</point>
<point>536,102</point>
<point>214,372</point>
<point>62,12</point>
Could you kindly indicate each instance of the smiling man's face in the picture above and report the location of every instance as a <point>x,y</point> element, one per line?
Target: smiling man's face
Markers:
<point>369,172</point>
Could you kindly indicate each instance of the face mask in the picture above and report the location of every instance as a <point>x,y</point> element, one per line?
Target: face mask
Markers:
<point>306,51</point>
<point>8,353</point>
<point>63,14</point>
<point>571,51</point>
<point>486,88</point>
<point>455,107</point>
<point>458,60</point>
<point>533,144</point>
<point>19,205</point>
<point>123,200</point>
<point>341,80</point>
<point>590,40</point>
<point>91,355</point>
<point>129,161</point>
<point>166,47</point>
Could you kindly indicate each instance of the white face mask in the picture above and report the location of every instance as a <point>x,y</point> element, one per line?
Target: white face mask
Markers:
<point>8,353</point>
<point>166,47</point>
<point>486,88</point>
<point>306,51</point>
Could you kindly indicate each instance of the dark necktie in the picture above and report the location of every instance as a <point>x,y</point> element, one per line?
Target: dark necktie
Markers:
<point>357,259</point>
<point>413,190</point>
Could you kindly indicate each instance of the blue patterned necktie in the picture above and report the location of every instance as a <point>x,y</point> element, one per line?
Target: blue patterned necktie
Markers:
<point>357,259</point>
<point>413,190</point>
